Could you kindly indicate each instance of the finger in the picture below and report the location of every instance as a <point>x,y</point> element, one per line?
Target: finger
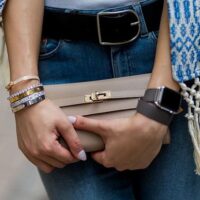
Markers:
<point>100,158</point>
<point>39,163</point>
<point>92,125</point>
<point>51,157</point>
<point>70,136</point>
<point>52,161</point>
<point>45,167</point>
<point>62,154</point>
<point>55,154</point>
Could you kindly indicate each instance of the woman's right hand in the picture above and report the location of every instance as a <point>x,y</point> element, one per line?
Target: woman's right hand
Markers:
<point>38,130</point>
<point>39,126</point>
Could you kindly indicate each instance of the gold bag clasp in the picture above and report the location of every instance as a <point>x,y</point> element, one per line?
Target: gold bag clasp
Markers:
<point>97,97</point>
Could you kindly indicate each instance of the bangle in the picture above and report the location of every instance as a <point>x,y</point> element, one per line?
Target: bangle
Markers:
<point>28,104</point>
<point>24,93</point>
<point>28,98</point>
<point>23,78</point>
<point>24,90</point>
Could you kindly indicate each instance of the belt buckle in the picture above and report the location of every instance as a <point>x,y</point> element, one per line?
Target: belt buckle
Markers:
<point>110,13</point>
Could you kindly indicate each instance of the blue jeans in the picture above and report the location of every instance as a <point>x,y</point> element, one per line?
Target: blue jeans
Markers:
<point>171,175</point>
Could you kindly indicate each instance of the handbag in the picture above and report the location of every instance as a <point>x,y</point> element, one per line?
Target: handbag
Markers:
<point>101,99</point>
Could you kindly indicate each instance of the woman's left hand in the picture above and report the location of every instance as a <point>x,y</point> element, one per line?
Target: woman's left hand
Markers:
<point>130,143</point>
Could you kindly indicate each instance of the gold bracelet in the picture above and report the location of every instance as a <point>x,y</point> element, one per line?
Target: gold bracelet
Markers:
<point>25,94</point>
<point>28,104</point>
<point>23,78</point>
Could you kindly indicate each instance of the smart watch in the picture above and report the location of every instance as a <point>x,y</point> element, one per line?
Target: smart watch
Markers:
<point>164,98</point>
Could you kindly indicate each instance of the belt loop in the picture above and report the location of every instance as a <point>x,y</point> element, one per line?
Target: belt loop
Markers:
<point>138,9</point>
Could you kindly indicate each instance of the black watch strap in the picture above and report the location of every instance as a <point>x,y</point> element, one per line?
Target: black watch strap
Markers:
<point>165,98</point>
<point>151,111</point>
<point>150,95</point>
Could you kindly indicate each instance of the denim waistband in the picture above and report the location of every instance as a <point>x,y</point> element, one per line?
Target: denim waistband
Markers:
<point>136,6</point>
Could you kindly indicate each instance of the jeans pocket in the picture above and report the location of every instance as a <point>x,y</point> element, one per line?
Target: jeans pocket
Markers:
<point>154,35</point>
<point>48,48</point>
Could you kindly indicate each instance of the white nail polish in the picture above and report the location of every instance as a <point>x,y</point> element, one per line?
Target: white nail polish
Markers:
<point>72,119</point>
<point>82,155</point>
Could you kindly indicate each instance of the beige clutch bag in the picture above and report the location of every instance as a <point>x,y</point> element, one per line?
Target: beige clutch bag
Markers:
<point>102,99</point>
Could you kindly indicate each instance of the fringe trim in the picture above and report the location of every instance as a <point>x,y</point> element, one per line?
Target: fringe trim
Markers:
<point>192,97</point>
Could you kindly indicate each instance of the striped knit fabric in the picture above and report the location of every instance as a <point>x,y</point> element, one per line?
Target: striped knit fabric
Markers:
<point>184,22</point>
<point>184,17</point>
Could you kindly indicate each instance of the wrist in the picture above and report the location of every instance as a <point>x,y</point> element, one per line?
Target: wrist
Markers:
<point>26,94</point>
<point>32,108</point>
<point>151,111</point>
<point>147,120</point>
<point>23,85</point>
<point>163,78</point>
<point>144,119</point>
<point>164,98</point>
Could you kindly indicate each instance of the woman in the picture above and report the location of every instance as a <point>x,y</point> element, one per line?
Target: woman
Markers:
<point>133,146</point>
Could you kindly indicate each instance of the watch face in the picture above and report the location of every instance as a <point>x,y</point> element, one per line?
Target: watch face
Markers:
<point>170,99</point>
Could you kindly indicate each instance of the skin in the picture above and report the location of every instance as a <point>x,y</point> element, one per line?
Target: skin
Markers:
<point>39,126</point>
<point>130,145</point>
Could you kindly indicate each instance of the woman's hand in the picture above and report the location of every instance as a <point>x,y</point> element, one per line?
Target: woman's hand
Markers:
<point>130,143</point>
<point>38,128</point>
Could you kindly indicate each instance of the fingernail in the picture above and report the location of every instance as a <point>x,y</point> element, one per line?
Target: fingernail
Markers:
<point>72,119</point>
<point>82,155</point>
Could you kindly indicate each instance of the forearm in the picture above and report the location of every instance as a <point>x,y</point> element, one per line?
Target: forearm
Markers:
<point>22,25</point>
<point>162,71</point>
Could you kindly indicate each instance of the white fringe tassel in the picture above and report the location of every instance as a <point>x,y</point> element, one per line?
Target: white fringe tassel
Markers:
<point>192,97</point>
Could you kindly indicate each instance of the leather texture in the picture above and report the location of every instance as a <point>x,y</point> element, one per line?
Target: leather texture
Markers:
<point>125,93</point>
<point>151,95</point>
<point>150,110</point>
<point>114,28</point>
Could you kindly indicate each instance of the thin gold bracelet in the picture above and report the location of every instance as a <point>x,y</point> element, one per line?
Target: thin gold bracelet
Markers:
<point>21,79</point>
<point>25,94</point>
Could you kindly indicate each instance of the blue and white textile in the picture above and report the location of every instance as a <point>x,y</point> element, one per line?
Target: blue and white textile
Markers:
<point>184,22</point>
<point>2,4</point>
<point>184,17</point>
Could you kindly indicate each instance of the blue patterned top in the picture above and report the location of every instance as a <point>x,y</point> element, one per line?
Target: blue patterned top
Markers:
<point>184,19</point>
<point>2,4</point>
<point>184,16</point>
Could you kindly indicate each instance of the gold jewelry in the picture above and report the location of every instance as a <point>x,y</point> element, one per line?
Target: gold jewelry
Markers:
<point>28,103</point>
<point>23,78</point>
<point>26,93</point>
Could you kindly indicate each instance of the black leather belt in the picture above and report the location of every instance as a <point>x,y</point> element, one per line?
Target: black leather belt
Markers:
<point>107,28</point>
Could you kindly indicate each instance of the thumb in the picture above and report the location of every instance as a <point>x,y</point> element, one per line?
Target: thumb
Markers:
<point>71,138</point>
<point>92,125</point>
